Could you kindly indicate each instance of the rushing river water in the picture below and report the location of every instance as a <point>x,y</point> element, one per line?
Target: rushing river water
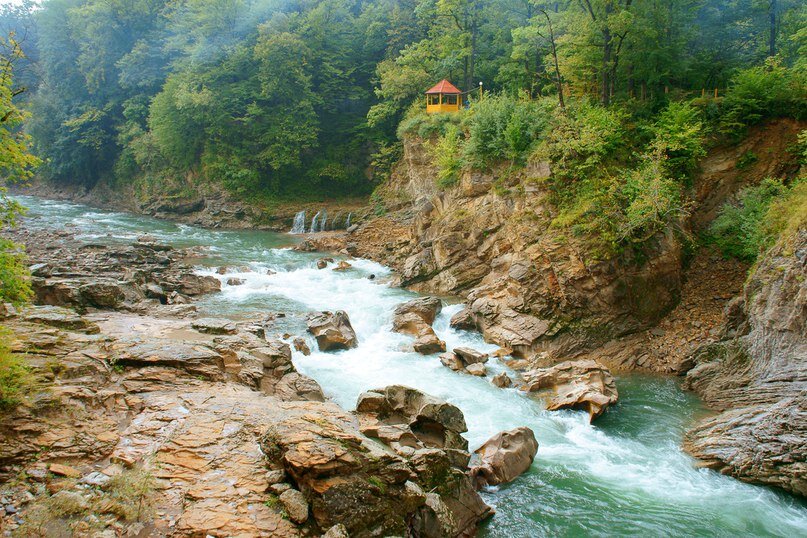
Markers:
<point>624,475</point>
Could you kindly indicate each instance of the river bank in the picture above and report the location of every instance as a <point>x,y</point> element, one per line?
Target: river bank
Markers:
<point>629,461</point>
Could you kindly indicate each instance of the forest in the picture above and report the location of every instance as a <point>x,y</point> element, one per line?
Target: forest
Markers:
<point>301,99</point>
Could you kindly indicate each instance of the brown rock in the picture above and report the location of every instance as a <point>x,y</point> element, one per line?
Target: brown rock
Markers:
<point>504,457</point>
<point>451,360</point>
<point>584,384</point>
<point>342,266</point>
<point>478,369</point>
<point>470,356</point>
<point>64,470</point>
<point>463,320</point>
<point>301,346</point>
<point>332,330</point>
<point>295,504</point>
<point>502,380</point>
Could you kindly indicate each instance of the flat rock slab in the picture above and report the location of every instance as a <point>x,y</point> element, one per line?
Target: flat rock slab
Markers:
<point>214,326</point>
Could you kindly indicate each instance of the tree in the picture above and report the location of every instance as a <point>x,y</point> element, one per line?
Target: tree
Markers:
<point>16,164</point>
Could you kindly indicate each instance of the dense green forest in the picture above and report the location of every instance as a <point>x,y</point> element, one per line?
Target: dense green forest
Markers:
<point>298,98</point>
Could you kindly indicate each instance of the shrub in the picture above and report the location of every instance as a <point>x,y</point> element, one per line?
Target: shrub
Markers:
<point>445,153</point>
<point>739,229</point>
<point>786,215</point>
<point>129,494</point>
<point>501,127</point>
<point>678,136</point>
<point>16,378</point>
<point>15,286</point>
<point>770,90</point>
<point>650,201</point>
<point>581,139</point>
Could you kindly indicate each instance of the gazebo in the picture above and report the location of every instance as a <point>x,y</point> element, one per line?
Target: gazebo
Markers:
<point>443,97</point>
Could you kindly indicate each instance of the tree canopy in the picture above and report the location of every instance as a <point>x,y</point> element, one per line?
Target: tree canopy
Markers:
<point>292,97</point>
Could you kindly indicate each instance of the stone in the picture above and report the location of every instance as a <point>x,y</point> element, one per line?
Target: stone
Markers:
<point>756,377</point>
<point>415,318</point>
<point>338,530</point>
<point>295,386</point>
<point>7,310</point>
<point>332,330</point>
<point>428,343</point>
<point>470,356</point>
<point>502,380</point>
<point>295,504</point>
<point>60,317</point>
<point>583,384</point>
<point>192,284</point>
<point>426,308</point>
<point>300,345</point>
<point>342,266</point>
<point>504,457</point>
<point>463,320</point>
<point>451,360</point>
<point>102,294</point>
<point>322,263</point>
<point>64,470</point>
<point>233,281</point>
<point>96,479</point>
<point>478,369</point>
<point>428,421</point>
<point>214,326</point>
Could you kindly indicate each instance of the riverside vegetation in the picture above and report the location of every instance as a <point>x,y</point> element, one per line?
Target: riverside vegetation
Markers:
<point>628,193</point>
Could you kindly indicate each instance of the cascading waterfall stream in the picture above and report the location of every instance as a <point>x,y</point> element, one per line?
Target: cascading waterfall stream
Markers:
<point>324,220</point>
<point>315,222</point>
<point>624,475</point>
<point>347,222</point>
<point>298,227</point>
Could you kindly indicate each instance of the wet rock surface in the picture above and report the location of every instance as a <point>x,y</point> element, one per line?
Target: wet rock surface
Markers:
<point>415,318</point>
<point>332,330</point>
<point>504,457</point>
<point>583,384</point>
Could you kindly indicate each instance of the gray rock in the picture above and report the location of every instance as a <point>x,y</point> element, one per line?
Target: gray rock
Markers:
<point>214,326</point>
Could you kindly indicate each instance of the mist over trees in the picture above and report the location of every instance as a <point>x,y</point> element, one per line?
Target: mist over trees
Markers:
<point>290,98</point>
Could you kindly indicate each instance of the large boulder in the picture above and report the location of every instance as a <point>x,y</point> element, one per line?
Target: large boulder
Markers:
<point>426,308</point>
<point>583,384</point>
<point>192,284</point>
<point>427,432</point>
<point>332,330</point>
<point>406,418</point>
<point>415,318</point>
<point>504,457</point>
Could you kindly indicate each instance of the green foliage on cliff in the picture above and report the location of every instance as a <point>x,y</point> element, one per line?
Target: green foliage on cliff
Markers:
<point>759,216</point>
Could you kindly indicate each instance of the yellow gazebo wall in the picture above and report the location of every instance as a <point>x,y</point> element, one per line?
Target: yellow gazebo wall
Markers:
<point>442,107</point>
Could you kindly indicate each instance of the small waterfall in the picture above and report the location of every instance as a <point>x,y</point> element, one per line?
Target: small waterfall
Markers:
<point>299,223</point>
<point>347,222</point>
<point>315,222</point>
<point>324,220</point>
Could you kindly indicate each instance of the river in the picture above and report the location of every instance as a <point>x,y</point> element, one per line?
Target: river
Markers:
<point>624,475</point>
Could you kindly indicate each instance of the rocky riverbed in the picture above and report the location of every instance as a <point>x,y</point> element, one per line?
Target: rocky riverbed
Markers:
<point>186,387</point>
<point>224,434</point>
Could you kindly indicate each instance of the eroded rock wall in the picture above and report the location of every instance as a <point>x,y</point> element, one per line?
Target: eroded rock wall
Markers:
<point>757,377</point>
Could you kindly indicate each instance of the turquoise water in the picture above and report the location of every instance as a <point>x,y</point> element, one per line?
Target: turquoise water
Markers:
<point>624,475</point>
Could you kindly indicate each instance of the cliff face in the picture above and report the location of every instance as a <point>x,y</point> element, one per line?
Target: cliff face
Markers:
<point>757,377</point>
<point>529,286</point>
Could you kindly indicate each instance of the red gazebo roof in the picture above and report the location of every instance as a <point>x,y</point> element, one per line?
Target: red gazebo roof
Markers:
<point>444,86</point>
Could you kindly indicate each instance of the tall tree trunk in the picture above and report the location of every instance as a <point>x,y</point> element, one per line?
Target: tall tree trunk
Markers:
<point>558,81</point>
<point>772,19</point>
